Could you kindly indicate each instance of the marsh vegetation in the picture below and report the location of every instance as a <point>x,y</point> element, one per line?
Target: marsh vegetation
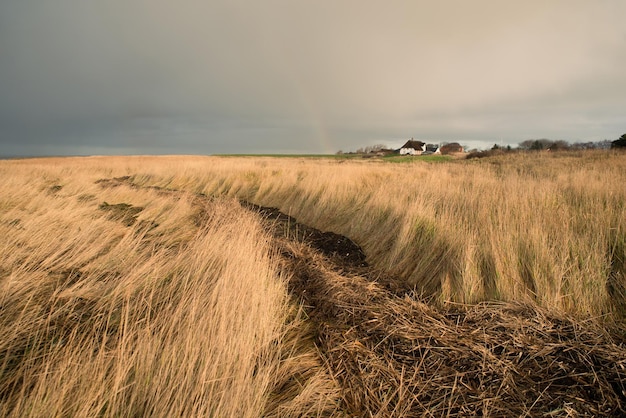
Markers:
<point>225,286</point>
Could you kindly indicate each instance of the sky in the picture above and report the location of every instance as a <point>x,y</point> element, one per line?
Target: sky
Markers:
<point>297,76</point>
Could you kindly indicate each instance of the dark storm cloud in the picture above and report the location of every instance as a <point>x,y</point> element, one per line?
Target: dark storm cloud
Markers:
<point>279,76</point>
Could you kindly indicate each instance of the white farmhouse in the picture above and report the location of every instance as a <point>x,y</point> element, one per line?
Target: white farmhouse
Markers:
<point>412,147</point>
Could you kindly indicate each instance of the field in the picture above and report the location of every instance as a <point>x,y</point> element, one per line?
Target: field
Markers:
<point>263,286</point>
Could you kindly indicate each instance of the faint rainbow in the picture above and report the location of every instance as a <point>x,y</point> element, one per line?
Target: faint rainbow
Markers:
<point>313,115</point>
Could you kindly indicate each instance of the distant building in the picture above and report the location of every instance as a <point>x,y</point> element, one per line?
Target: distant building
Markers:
<point>451,148</point>
<point>412,147</point>
<point>432,149</point>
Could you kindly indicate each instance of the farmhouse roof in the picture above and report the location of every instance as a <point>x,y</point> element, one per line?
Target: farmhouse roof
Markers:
<point>417,145</point>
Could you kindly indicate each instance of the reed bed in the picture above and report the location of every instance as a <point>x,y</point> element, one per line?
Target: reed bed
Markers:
<point>547,229</point>
<point>125,302</point>
<point>134,286</point>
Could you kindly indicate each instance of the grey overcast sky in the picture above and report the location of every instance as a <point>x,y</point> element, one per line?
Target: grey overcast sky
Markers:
<point>295,76</point>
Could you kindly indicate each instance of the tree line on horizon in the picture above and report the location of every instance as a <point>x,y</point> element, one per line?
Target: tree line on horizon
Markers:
<point>542,144</point>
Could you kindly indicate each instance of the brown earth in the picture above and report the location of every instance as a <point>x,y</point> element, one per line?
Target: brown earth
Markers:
<point>123,212</point>
<point>340,249</point>
<point>396,355</point>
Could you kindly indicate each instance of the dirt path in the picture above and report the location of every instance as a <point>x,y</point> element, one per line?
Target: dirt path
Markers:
<point>394,355</point>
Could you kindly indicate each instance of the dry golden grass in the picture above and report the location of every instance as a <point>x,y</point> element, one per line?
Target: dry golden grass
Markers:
<point>173,304</point>
<point>184,313</point>
<point>543,228</point>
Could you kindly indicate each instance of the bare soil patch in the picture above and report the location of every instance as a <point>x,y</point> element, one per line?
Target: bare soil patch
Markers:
<point>123,212</point>
<point>342,250</point>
